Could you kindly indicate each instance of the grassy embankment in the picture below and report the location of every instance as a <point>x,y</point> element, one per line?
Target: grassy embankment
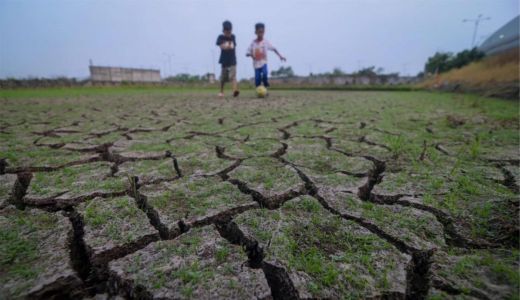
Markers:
<point>496,75</point>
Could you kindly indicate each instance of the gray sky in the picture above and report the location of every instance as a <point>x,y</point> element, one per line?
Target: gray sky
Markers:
<point>58,37</point>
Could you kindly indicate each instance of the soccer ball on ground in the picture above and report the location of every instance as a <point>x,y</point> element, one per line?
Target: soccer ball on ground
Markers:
<point>261,91</point>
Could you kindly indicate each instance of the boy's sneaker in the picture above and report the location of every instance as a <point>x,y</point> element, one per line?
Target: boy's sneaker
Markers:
<point>221,95</point>
<point>236,93</point>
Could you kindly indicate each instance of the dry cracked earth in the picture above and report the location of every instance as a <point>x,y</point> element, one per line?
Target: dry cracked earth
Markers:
<point>340,195</point>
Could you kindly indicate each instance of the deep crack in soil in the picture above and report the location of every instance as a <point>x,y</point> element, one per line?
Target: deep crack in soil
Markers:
<point>277,277</point>
<point>194,142</point>
<point>151,213</point>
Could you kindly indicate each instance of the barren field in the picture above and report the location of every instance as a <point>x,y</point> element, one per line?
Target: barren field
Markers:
<point>341,195</point>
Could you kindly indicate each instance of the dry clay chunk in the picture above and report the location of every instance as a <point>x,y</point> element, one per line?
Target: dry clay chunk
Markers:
<point>480,274</point>
<point>113,224</point>
<point>199,265</point>
<point>194,199</point>
<point>326,256</point>
<point>415,227</point>
<point>267,176</point>
<point>34,254</point>
<point>75,181</point>
<point>6,185</point>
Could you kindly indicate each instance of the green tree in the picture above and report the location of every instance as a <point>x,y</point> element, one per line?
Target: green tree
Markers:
<point>184,77</point>
<point>337,72</point>
<point>368,71</point>
<point>465,57</point>
<point>439,62</point>
<point>445,61</point>
<point>283,72</point>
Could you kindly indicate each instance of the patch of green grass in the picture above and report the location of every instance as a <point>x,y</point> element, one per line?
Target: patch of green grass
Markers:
<point>312,262</point>
<point>17,253</point>
<point>135,265</point>
<point>187,291</point>
<point>397,144</point>
<point>159,279</point>
<point>114,219</point>
<point>466,185</point>
<point>501,272</point>
<point>266,172</point>
<point>162,200</point>
<point>310,205</point>
<point>20,241</point>
<point>146,147</point>
<point>192,274</point>
<point>222,254</point>
<point>475,148</point>
<point>190,244</point>
<point>92,91</point>
<point>96,215</point>
<point>464,265</point>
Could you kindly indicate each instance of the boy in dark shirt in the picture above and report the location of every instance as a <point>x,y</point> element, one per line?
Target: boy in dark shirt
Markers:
<point>228,59</point>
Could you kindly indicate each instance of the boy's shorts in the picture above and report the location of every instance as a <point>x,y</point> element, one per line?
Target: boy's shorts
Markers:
<point>228,73</point>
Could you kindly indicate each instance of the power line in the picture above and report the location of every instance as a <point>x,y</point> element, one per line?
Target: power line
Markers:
<point>480,18</point>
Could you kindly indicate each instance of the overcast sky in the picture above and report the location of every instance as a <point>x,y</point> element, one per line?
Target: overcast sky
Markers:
<point>57,37</point>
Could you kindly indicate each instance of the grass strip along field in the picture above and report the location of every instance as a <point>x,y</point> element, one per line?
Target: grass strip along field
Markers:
<point>304,194</point>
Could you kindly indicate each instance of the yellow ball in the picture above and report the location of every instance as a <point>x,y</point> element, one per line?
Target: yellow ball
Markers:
<point>261,91</point>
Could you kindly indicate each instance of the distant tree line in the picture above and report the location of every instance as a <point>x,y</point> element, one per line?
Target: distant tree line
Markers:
<point>31,82</point>
<point>41,82</point>
<point>371,71</point>
<point>283,72</point>
<point>444,61</point>
<point>187,78</point>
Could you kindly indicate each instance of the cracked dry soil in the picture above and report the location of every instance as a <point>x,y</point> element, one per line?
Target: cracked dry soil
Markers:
<point>338,195</point>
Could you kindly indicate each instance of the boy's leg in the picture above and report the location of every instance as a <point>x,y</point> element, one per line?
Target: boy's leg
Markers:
<point>221,86</point>
<point>233,78</point>
<point>258,76</point>
<point>222,79</point>
<point>264,76</point>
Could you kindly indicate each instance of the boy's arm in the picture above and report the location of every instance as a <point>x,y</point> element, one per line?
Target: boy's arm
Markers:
<point>224,46</point>
<point>250,50</point>
<point>221,43</point>
<point>272,48</point>
<point>282,58</point>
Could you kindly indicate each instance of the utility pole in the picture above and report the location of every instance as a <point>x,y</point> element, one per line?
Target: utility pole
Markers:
<point>480,18</point>
<point>169,57</point>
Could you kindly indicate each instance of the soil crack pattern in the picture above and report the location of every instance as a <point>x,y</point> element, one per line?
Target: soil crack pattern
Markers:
<point>418,268</point>
<point>277,278</point>
<point>375,176</point>
<point>441,199</point>
<point>151,213</point>
<point>20,189</point>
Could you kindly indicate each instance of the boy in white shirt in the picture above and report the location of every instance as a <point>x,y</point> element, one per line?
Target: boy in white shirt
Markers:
<point>258,51</point>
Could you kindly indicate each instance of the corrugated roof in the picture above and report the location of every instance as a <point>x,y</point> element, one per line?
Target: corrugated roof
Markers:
<point>505,38</point>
